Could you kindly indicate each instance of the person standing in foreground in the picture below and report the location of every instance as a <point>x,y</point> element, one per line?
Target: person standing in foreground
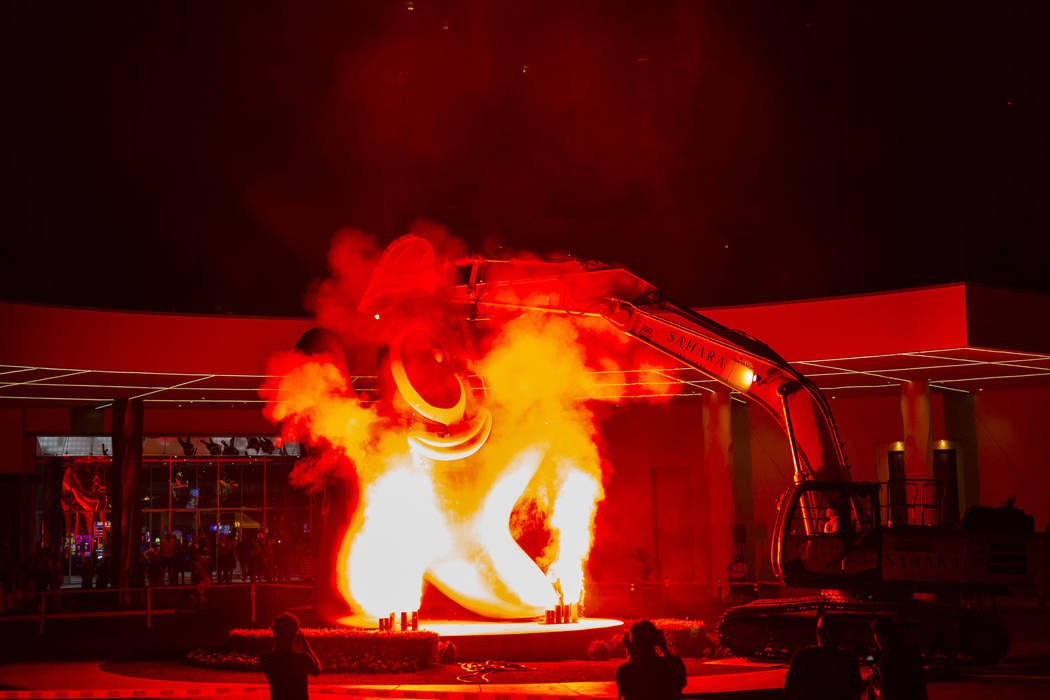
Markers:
<point>823,672</point>
<point>898,673</point>
<point>648,675</point>
<point>286,667</point>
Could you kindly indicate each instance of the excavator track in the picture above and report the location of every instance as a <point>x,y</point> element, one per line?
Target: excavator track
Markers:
<point>773,629</point>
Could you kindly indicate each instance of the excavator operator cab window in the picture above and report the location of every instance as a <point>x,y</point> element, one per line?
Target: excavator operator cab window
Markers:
<point>832,512</point>
<point>461,274</point>
<point>862,512</point>
<point>831,531</point>
<point>818,513</point>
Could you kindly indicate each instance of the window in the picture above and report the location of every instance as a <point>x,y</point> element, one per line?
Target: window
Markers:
<point>820,509</point>
<point>184,491</point>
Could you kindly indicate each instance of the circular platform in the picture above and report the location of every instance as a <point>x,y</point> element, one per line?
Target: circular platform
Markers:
<point>524,641</point>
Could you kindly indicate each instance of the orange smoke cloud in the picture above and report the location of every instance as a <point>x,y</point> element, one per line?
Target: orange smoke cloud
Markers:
<point>311,400</point>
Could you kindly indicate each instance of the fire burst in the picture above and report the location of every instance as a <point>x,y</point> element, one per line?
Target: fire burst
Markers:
<point>462,452</point>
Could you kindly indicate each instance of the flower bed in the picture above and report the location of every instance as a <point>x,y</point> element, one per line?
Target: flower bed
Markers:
<point>687,638</point>
<point>223,660</point>
<point>340,649</point>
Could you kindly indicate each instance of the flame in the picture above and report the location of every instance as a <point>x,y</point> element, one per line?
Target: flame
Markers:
<point>380,578</point>
<point>450,475</point>
<point>501,580</point>
<point>573,520</point>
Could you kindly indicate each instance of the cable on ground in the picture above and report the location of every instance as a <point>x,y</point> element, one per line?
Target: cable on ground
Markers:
<point>478,672</point>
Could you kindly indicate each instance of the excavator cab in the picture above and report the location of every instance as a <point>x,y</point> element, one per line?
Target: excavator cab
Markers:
<point>827,534</point>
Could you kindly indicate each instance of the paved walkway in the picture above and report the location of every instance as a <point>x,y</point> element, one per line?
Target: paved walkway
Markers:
<point>85,680</point>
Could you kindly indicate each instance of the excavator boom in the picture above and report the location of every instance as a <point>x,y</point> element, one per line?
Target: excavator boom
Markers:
<point>485,288</point>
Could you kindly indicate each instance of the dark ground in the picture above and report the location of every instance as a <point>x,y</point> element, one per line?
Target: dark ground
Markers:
<point>543,672</point>
<point>1023,675</point>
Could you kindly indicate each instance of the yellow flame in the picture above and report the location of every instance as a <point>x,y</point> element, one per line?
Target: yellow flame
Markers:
<point>387,557</point>
<point>572,521</point>
<point>438,507</point>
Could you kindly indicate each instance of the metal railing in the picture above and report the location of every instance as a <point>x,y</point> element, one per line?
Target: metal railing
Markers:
<point>910,502</point>
<point>126,602</point>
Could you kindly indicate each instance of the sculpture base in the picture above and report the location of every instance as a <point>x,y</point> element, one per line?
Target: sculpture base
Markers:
<point>522,641</point>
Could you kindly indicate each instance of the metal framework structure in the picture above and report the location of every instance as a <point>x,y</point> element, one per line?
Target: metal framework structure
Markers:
<point>958,369</point>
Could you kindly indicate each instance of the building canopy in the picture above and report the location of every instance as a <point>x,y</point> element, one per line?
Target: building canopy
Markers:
<point>959,337</point>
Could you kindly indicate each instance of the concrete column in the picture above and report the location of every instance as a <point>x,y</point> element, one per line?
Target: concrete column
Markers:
<point>17,499</point>
<point>743,488</point>
<point>27,503</point>
<point>960,426</point>
<point>918,430</point>
<point>52,525</point>
<point>123,486</point>
<point>716,530</point>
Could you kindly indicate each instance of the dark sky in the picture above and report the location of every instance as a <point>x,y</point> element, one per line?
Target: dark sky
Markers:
<point>197,157</point>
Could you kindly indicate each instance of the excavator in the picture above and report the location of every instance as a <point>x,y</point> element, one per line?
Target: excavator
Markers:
<point>830,536</point>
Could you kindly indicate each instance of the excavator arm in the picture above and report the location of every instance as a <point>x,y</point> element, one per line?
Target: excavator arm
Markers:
<point>483,288</point>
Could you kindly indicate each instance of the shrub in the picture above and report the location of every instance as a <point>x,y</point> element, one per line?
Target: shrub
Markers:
<point>617,649</point>
<point>447,653</point>
<point>599,650</point>
<point>686,638</point>
<point>340,649</point>
<point>226,660</point>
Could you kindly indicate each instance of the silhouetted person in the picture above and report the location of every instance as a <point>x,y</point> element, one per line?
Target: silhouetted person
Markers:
<point>182,556</point>
<point>104,574</point>
<point>155,566</point>
<point>898,672</point>
<point>136,572</point>
<point>257,560</point>
<point>824,671</point>
<point>282,562</point>
<point>647,564</point>
<point>244,556</point>
<point>167,556</point>
<point>201,577</point>
<point>225,559</point>
<point>648,675</point>
<point>291,660</point>
<point>87,572</point>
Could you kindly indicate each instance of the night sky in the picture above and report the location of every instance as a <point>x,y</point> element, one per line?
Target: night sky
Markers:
<point>198,157</point>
